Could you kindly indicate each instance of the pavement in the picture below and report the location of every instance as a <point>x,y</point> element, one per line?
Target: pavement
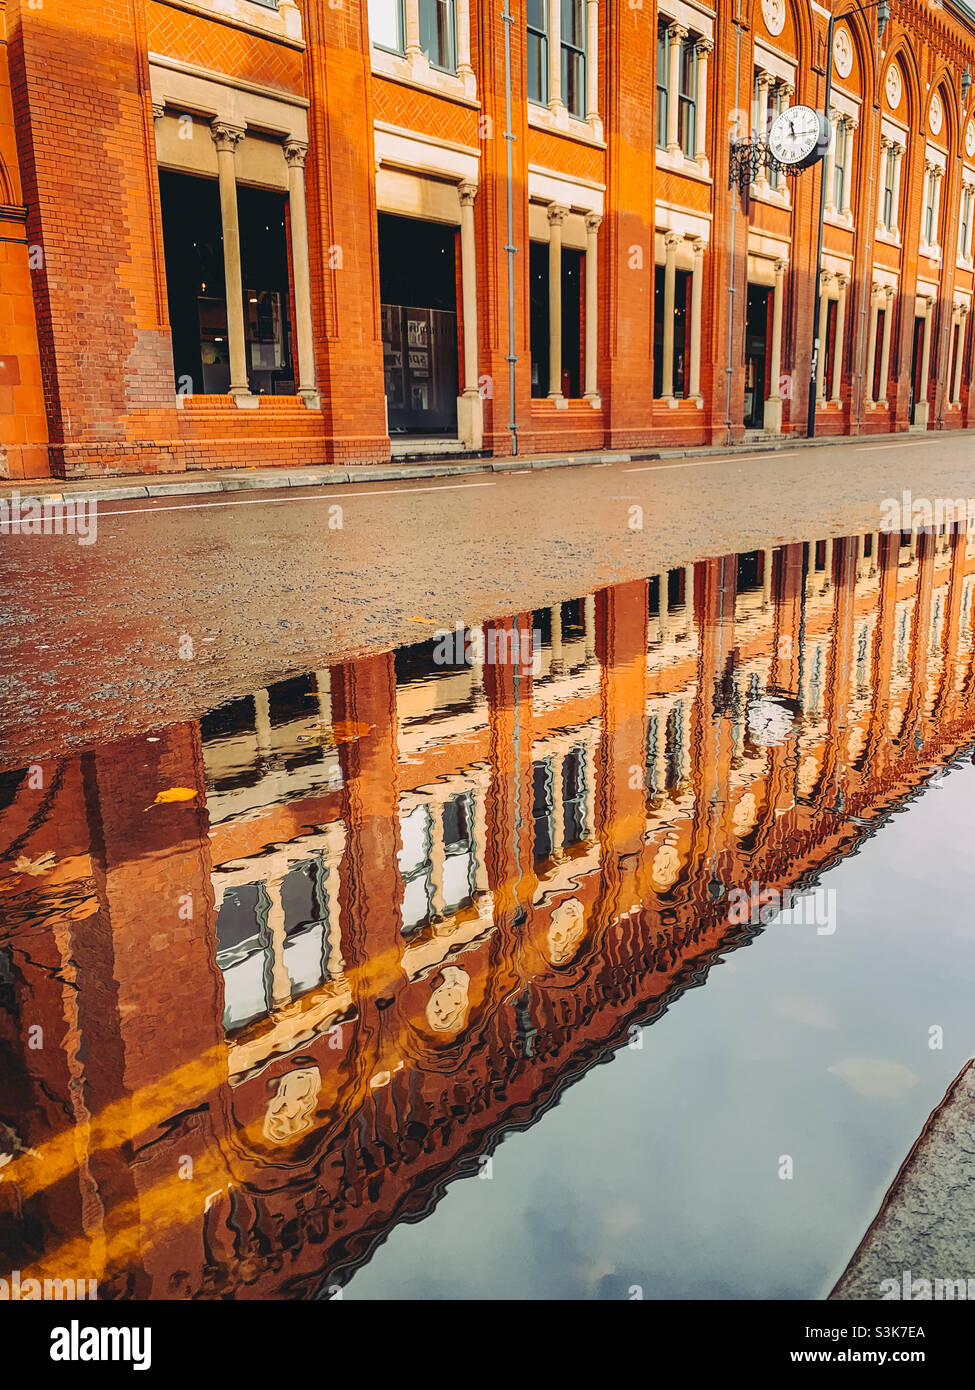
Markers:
<point>136,486</point>
<point>922,1235</point>
<point>185,601</point>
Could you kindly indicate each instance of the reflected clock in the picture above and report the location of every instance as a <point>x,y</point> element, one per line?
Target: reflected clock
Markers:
<point>798,137</point>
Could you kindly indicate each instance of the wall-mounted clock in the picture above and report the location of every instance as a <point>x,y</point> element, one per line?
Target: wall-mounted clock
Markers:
<point>799,136</point>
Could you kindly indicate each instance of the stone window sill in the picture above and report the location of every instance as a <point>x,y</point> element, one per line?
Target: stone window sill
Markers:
<point>282,22</point>
<point>681,163</point>
<point>415,71</point>
<point>559,121</point>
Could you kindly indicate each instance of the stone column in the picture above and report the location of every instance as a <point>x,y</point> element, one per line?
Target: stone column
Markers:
<point>280,979</point>
<point>592,65</point>
<point>939,174</point>
<point>556,216</point>
<point>557,663</point>
<point>555,103</point>
<point>470,407</point>
<point>695,326</point>
<point>675,36</point>
<point>589,625</point>
<point>959,355</point>
<point>294,153</point>
<point>885,147</point>
<point>825,280</point>
<point>464,69</point>
<point>411,24</point>
<point>773,406</point>
<point>438,856</point>
<point>688,599</point>
<point>922,406</point>
<point>767,562</point>
<point>851,124</point>
<point>885,345</point>
<point>842,281</point>
<point>226,138</point>
<point>593,220</point>
<point>765,81</point>
<point>671,242</point>
<point>872,340</point>
<point>262,721</point>
<point>834,133</point>
<point>557,761</point>
<point>895,211</point>
<point>703,49</point>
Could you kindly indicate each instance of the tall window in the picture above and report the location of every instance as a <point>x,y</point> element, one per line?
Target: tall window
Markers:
<point>537,52</point>
<point>574,56</point>
<point>687,97</point>
<point>663,91</point>
<point>386,24</point>
<point>438,33</point>
<point>890,173</point>
<point>840,157</point>
<point>932,193</point>
<point>965,222</point>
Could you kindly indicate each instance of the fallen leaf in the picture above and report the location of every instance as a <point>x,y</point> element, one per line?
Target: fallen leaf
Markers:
<point>175,794</point>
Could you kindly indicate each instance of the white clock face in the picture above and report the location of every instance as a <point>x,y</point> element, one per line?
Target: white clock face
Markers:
<point>970,139</point>
<point>795,134</point>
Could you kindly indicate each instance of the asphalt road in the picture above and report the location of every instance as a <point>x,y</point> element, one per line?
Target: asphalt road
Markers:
<point>264,586</point>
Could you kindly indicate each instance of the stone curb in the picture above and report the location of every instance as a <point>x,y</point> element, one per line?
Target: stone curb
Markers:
<point>329,476</point>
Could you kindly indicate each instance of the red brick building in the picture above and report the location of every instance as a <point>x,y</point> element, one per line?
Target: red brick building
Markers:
<point>242,232</point>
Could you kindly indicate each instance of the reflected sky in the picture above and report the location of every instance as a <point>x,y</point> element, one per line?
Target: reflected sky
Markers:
<point>615,950</point>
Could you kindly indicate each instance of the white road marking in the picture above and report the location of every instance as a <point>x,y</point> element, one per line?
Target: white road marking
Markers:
<point>271,501</point>
<point>900,444</point>
<point>703,463</point>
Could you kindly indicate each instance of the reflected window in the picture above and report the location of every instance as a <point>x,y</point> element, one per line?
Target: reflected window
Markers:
<point>416,842</point>
<point>243,955</point>
<point>305,907</point>
<point>574,795</point>
<point>543,808</point>
<point>459,852</point>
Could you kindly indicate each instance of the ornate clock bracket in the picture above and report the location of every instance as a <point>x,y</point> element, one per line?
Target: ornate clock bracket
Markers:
<point>747,157</point>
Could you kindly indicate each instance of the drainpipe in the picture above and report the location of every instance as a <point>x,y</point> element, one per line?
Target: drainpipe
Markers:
<point>508,19</point>
<point>729,370</point>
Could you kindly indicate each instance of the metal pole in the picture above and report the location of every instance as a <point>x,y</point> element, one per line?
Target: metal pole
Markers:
<point>814,360</point>
<point>508,19</point>
<point>729,370</point>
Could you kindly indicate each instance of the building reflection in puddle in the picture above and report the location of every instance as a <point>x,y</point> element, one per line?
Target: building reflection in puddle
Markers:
<point>269,981</point>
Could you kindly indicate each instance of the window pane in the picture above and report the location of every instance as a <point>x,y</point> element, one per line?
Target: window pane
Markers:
<point>385,23</point>
<point>437,33</point>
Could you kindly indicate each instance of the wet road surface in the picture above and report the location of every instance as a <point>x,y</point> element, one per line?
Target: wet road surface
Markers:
<point>592,952</point>
<point>183,603</point>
